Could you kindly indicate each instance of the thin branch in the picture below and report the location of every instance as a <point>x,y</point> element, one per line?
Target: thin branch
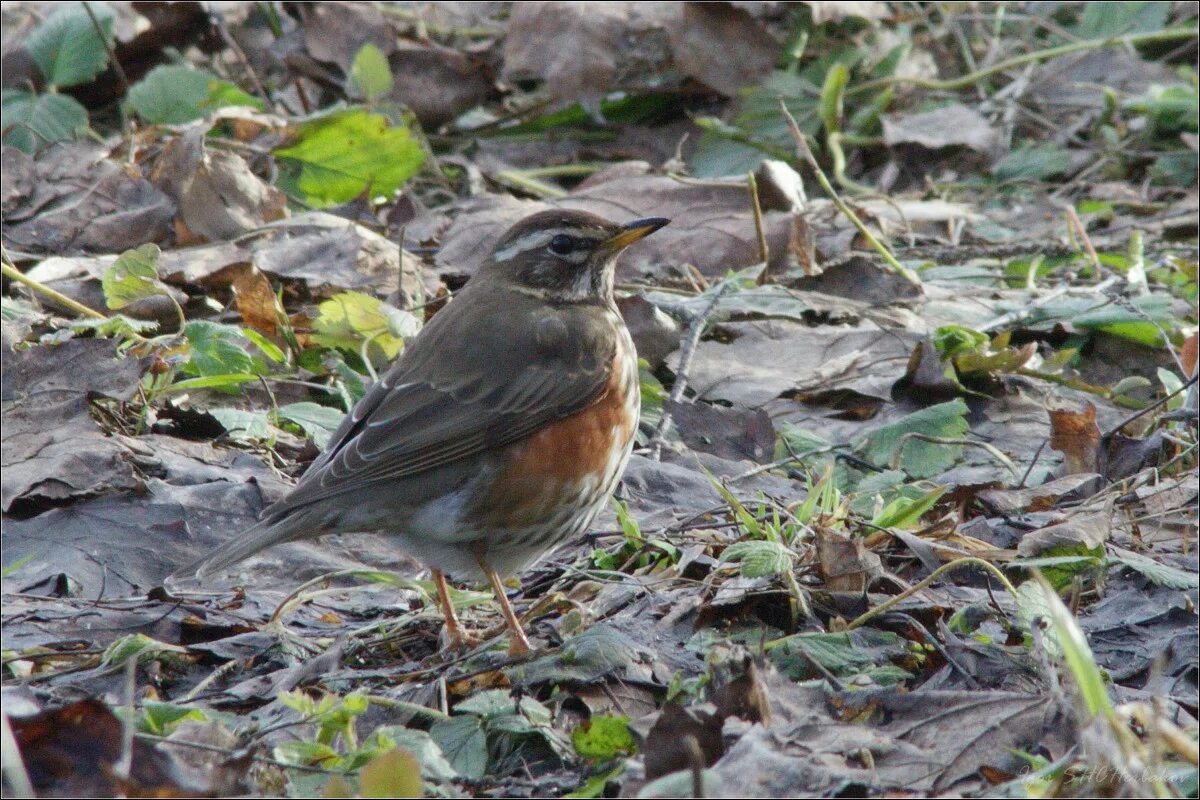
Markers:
<point>805,153</point>
<point>971,78</point>
<point>690,340</point>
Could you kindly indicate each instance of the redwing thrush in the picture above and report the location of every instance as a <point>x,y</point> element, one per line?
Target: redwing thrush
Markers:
<point>500,431</point>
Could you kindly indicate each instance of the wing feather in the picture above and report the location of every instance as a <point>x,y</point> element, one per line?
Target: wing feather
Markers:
<point>428,411</point>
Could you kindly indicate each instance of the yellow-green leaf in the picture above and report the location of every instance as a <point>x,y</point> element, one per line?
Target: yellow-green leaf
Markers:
<point>336,157</point>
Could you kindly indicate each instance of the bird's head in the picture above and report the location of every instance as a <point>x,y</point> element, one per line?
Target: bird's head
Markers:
<point>564,256</point>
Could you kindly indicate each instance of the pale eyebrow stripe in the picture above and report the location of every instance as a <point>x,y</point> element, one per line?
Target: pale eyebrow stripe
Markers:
<point>532,241</point>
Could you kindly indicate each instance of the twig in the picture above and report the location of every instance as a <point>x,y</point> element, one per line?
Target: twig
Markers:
<point>1029,470</point>
<point>51,294</point>
<point>108,48</point>
<point>212,748</point>
<point>1028,58</point>
<point>212,678</point>
<point>1085,240</point>
<point>764,253</point>
<point>126,122</point>
<point>937,573</point>
<point>999,456</point>
<point>520,180</point>
<point>124,762</point>
<point>1160,401</point>
<point>1021,313</point>
<point>805,152</point>
<point>240,54</point>
<point>691,339</point>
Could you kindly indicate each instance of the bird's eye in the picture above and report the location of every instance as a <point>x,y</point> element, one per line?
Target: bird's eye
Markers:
<point>562,244</point>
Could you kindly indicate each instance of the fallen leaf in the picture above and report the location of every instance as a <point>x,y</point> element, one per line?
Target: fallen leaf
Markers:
<point>953,125</point>
<point>844,563</point>
<point>1076,435</point>
<point>53,449</point>
<point>217,195</point>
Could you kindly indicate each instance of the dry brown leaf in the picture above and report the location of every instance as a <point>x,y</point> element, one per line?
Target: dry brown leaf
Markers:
<point>257,301</point>
<point>438,83</point>
<point>700,41</point>
<point>1076,435</point>
<point>1036,498</point>
<point>582,50</point>
<point>74,199</point>
<point>954,125</point>
<point>844,563</point>
<point>218,196</point>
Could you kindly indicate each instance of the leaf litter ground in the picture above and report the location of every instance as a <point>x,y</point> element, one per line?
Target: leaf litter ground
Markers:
<point>880,534</point>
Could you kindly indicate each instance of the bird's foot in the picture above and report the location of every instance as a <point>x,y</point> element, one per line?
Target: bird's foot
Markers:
<point>456,640</point>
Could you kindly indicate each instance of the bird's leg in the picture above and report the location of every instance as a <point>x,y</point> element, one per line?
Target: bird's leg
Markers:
<point>518,644</point>
<point>458,639</point>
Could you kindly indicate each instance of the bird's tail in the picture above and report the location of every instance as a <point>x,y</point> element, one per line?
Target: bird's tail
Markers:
<point>266,533</point>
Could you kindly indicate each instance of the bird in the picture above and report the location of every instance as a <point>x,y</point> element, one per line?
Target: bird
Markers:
<point>499,432</point>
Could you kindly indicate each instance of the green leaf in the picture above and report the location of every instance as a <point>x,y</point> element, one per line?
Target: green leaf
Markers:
<point>394,773</point>
<point>216,349</point>
<point>139,646</point>
<point>759,559</point>
<point>1102,20</point>
<point>243,425</point>
<point>1072,644</point>
<point>225,381</point>
<point>1169,110</point>
<point>268,348</point>
<point>952,339</point>
<point>173,94</point>
<point>161,718</point>
<point>66,47</point>
<point>489,703</point>
<point>131,277</point>
<point>831,97</point>
<point>371,73</point>
<point>844,654</point>
<point>339,156</point>
<point>116,325</point>
<point>434,765</point>
<point>318,421</point>
<point>305,753</point>
<point>595,785</point>
<point>918,458</point>
<point>904,512</point>
<point>1033,605</point>
<point>464,743</point>
<point>349,318</point>
<point>1161,574</point>
<point>598,652</point>
<point>32,121</point>
<point>1033,163</point>
<point>603,737</point>
<point>1176,168</point>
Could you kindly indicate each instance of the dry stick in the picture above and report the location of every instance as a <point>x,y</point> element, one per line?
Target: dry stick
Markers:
<point>690,340</point>
<point>240,54</point>
<point>995,452</point>
<point>1081,232</point>
<point>15,274</point>
<point>764,253</point>
<point>126,121</point>
<point>1022,313</point>
<point>1028,58</point>
<point>910,591</point>
<point>805,153</point>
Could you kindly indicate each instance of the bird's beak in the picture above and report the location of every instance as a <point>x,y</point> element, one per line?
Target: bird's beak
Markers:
<point>632,231</point>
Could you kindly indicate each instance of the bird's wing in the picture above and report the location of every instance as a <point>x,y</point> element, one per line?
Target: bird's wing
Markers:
<point>446,400</point>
